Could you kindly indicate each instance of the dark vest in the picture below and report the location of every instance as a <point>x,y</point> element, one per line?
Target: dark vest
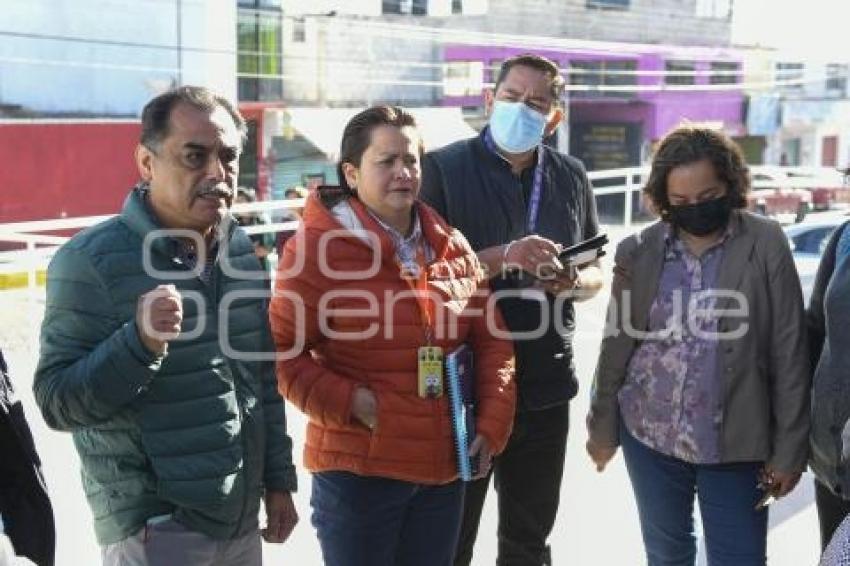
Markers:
<point>477,193</point>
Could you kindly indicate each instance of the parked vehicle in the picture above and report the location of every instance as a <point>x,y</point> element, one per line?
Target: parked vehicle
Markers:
<point>808,241</point>
<point>826,186</point>
<point>780,201</point>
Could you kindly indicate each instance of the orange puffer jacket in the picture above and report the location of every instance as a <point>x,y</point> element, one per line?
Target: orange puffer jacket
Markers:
<point>343,329</point>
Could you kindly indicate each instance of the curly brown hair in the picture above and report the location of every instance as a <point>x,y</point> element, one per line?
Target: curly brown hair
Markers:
<point>689,144</point>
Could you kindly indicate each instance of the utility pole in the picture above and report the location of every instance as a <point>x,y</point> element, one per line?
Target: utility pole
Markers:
<point>321,61</point>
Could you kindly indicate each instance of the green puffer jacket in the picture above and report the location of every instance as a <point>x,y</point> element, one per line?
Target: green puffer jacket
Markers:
<point>199,432</point>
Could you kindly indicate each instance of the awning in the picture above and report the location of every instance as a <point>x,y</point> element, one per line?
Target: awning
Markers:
<point>323,127</point>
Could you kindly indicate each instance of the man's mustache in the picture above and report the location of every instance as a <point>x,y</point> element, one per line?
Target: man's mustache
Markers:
<point>217,191</point>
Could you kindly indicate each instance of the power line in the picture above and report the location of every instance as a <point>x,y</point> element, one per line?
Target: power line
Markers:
<point>422,64</point>
<point>530,9</point>
<point>395,81</point>
<point>392,31</point>
<point>406,29</point>
<point>113,43</point>
<point>88,64</point>
<point>781,78</point>
<point>754,85</point>
<point>384,29</point>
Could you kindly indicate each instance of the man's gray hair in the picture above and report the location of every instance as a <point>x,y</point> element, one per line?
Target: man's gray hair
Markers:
<point>156,114</point>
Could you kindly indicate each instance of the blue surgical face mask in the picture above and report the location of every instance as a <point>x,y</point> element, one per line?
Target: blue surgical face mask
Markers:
<point>516,128</point>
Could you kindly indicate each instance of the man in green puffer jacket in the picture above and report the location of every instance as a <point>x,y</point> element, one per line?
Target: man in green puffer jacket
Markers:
<point>156,355</point>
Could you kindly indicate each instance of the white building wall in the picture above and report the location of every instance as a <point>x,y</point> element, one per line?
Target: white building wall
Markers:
<point>209,45</point>
<point>108,57</point>
<point>811,121</point>
<point>344,7</point>
<point>674,22</point>
<point>353,61</point>
<point>437,8</point>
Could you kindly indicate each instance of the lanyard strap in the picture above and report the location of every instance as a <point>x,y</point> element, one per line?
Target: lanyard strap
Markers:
<point>419,285</point>
<point>416,276</point>
<point>536,193</point>
<point>533,207</point>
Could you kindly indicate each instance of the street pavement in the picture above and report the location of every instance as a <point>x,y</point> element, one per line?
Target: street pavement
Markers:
<point>597,523</point>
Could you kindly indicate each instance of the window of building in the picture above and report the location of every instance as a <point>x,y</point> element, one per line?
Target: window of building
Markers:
<point>312,181</point>
<point>463,78</point>
<point>586,73</point>
<point>473,7</point>
<point>411,7</point>
<point>259,64</point>
<point>679,72</point>
<point>457,6</point>
<point>622,74</point>
<point>493,70</point>
<point>790,75</point>
<point>717,9</point>
<point>724,73</point>
<point>299,30</point>
<point>836,79</point>
<point>263,4</point>
<point>600,74</point>
<point>608,4</point>
<point>791,151</point>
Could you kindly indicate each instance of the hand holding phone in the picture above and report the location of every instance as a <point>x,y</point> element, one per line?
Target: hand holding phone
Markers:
<point>776,484</point>
<point>584,252</point>
<point>765,500</point>
<point>767,483</point>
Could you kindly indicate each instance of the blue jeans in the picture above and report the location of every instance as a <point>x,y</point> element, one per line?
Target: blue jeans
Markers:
<point>735,533</point>
<point>371,521</point>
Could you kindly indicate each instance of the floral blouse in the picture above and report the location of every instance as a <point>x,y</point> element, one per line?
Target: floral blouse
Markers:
<point>672,398</point>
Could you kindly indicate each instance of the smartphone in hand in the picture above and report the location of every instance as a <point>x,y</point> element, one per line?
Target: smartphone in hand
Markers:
<point>765,500</point>
<point>765,484</point>
<point>584,252</point>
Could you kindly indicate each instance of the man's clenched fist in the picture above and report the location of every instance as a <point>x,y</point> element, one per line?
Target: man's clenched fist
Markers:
<point>159,315</point>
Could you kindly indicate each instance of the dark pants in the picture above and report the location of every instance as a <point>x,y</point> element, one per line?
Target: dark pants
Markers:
<point>735,532</point>
<point>371,521</point>
<point>528,484</point>
<point>831,511</point>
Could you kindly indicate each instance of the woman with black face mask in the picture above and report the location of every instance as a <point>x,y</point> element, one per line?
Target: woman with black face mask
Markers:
<point>703,375</point>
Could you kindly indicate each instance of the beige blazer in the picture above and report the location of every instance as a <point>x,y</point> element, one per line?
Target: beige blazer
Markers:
<point>765,414</point>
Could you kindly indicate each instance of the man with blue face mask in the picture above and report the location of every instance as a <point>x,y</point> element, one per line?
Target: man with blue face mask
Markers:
<point>519,202</point>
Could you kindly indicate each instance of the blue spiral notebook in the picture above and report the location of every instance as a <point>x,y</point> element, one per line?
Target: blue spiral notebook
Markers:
<point>461,384</point>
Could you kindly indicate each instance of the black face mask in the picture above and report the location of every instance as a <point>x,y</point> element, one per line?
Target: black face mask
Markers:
<point>703,218</point>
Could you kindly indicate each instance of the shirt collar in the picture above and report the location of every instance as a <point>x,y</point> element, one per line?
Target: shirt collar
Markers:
<point>399,239</point>
<point>183,248</point>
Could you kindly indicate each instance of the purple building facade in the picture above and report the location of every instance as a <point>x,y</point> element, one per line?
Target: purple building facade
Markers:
<point>623,98</point>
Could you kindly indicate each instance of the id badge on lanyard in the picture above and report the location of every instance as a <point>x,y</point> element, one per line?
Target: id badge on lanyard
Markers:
<point>429,357</point>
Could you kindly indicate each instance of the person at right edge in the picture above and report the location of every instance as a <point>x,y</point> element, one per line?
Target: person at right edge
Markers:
<point>518,202</point>
<point>827,319</point>
<point>703,372</point>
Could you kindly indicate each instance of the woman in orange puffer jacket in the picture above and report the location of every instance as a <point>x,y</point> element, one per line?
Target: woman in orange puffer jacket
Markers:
<point>372,277</point>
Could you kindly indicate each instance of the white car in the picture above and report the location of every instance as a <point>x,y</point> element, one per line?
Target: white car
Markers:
<point>808,241</point>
